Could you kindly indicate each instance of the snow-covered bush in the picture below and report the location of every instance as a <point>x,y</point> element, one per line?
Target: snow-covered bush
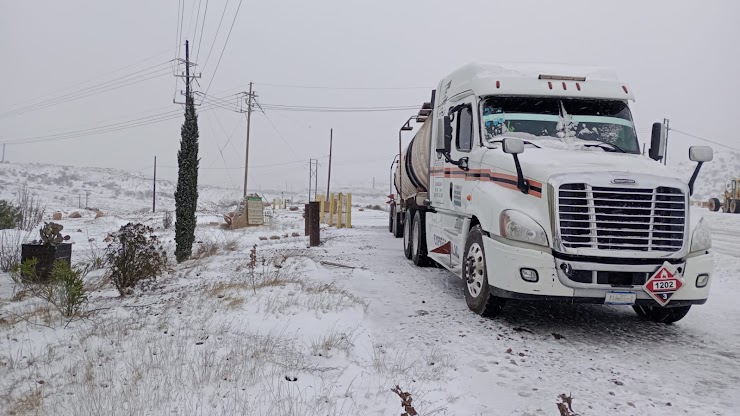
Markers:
<point>134,255</point>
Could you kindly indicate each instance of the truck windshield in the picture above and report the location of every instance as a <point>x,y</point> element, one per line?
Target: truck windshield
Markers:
<point>567,120</point>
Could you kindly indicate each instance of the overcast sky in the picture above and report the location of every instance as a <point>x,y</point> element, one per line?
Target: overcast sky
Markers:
<point>680,58</point>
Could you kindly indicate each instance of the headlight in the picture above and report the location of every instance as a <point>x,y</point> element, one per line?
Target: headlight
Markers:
<point>702,238</point>
<point>518,226</point>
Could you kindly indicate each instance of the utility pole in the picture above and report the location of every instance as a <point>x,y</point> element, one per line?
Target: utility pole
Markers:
<point>313,177</point>
<point>250,98</point>
<point>87,195</point>
<point>331,143</point>
<point>667,124</point>
<point>154,187</point>
<point>3,152</point>
<point>187,75</point>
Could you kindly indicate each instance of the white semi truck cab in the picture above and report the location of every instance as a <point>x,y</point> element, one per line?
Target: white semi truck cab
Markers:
<point>530,183</point>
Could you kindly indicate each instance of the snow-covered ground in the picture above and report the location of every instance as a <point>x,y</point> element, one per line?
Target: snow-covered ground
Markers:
<point>330,330</point>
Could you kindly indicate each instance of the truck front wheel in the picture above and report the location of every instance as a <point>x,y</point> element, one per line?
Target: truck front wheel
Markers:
<point>475,273</point>
<point>735,206</point>
<point>662,315</point>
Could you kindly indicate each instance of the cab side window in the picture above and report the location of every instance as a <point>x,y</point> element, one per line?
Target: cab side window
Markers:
<point>464,140</point>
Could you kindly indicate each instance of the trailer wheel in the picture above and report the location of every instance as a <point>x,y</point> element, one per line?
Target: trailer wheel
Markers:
<point>714,204</point>
<point>397,223</point>
<point>662,315</point>
<point>734,206</point>
<point>407,235</point>
<point>419,240</point>
<point>475,273</point>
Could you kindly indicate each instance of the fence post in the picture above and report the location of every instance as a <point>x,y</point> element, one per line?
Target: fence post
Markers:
<point>321,209</point>
<point>331,210</point>
<point>306,217</point>
<point>339,210</point>
<point>313,226</point>
<point>349,210</point>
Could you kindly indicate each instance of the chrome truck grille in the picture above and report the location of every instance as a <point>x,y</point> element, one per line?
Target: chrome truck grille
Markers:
<point>613,218</point>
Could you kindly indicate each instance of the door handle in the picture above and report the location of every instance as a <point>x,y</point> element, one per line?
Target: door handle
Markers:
<point>450,192</point>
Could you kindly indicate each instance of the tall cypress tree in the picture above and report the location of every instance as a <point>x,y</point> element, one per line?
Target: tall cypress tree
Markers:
<point>186,195</point>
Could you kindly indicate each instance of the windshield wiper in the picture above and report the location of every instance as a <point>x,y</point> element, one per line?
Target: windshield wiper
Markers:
<point>523,141</point>
<point>613,146</point>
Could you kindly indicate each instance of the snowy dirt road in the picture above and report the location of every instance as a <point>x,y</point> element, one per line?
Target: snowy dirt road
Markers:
<point>611,361</point>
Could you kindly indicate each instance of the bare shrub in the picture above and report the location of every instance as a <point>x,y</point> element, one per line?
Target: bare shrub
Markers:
<point>167,220</point>
<point>565,405</point>
<point>208,247</point>
<point>31,210</point>
<point>134,255</point>
<point>406,400</point>
<point>10,248</point>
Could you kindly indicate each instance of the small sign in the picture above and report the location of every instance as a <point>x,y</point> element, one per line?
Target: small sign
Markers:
<point>255,211</point>
<point>663,284</point>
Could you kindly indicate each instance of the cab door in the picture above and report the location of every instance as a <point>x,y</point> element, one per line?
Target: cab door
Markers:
<point>447,242</point>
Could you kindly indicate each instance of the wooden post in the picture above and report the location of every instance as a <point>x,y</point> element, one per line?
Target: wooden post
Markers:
<point>331,210</point>
<point>321,209</point>
<point>313,224</point>
<point>339,210</point>
<point>306,217</point>
<point>349,210</point>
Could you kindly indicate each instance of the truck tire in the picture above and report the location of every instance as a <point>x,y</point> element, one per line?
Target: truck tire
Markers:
<point>726,205</point>
<point>397,223</point>
<point>662,315</point>
<point>407,234</point>
<point>714,204</point>
<point>475,275</point>
<point>735,206</point>
<point>419,240</point>
<point>391,214</point>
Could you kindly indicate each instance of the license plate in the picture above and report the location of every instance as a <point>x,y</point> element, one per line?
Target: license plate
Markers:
<point>620,298</point>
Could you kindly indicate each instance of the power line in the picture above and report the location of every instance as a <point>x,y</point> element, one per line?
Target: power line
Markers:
<point>142,121</point>
<point>95,78</point>
<point>702,138</point>
<point>202,29</point>
<point>281,107</point>
<point>111,85</point>
<point>224,48</point>
<point>216,35</point>
<point>322,87</point>
<point>197,19</point>
<point>178,28</point>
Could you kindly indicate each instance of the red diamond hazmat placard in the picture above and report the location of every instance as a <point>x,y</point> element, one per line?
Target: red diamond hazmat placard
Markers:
<point>663,284</point>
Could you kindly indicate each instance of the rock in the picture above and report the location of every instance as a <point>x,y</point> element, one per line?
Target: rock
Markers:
<point>79,230</point>
<point>108,239</point>
<point>56,216</point>
<point>90,240</point>
<point>99,214</point>
<point>75,215</point>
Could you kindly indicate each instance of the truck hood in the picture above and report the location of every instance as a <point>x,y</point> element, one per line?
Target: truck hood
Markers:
<point>541,164</point>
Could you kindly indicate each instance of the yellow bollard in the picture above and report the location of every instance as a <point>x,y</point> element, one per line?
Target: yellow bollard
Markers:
<point>331,210</point>
<point>349,210</point>
<point>339,210</point>
<point>321,209</point>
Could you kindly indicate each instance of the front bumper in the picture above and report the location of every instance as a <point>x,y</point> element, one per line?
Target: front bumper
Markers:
<point>504,274</point>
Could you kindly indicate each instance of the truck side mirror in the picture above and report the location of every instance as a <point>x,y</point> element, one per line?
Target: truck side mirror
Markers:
<point>657,142</point>
<point>699,154</point>
<point>513,146</point>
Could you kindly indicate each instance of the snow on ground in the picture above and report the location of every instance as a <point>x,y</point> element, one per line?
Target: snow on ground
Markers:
<point>330,330</point>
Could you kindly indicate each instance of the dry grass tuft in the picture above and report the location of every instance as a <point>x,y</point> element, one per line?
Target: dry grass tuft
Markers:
<point>565,406</point>
<point>28,403</point>
<point>406,400</point>
<point>209,247</point>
